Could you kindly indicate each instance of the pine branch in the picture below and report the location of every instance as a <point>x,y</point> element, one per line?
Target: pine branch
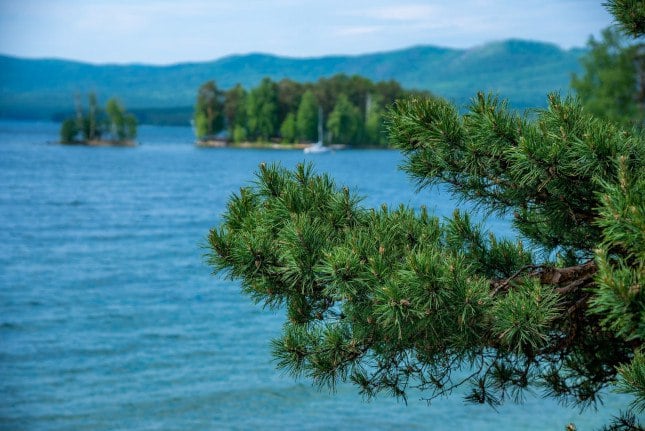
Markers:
<point>394,298</point>
<point>630,15</point>
<point>498,285</point>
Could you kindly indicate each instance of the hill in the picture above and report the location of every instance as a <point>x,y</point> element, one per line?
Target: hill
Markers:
<point>522,71</point>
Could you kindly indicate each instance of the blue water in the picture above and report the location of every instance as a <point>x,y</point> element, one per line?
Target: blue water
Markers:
<point>110,320</point>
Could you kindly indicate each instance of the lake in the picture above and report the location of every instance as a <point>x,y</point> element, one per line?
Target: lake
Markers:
<point>110,319</point>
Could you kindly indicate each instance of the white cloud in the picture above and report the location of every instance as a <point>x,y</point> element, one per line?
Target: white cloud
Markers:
<point>357,30</point>
<point>403,12</point>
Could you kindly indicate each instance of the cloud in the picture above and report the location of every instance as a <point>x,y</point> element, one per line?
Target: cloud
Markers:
<point>357,30</point>
<point>404,12</point>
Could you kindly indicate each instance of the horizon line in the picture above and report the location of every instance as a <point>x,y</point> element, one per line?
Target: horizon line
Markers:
<point>285,56</point>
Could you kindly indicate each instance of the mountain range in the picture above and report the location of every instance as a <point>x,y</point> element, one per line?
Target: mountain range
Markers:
<point>519,70</point>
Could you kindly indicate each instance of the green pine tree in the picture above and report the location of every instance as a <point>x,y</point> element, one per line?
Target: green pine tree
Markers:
<point>609,87</point>
<point>235,108</point>
<point>262,111</point>
<point>394,299</point>
<point>307,117</point>
<point>288,128</point>
<point>209,110</point>
<point>344,122</point>
<point>69,131</point>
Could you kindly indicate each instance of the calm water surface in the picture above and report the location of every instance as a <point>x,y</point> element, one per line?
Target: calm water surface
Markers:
<point>110,320</point>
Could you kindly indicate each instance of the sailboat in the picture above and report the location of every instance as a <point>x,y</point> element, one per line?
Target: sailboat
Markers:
<point>318,147</point>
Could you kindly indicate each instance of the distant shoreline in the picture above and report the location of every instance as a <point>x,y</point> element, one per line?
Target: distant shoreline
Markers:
<point>216,143</point>
<point>259,145</point>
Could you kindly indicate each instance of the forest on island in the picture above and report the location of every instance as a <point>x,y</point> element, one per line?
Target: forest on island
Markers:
<point>112,124</point>
<point>287,111</point>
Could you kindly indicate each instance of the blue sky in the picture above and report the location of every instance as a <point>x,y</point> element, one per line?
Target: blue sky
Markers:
<point>171,31</point>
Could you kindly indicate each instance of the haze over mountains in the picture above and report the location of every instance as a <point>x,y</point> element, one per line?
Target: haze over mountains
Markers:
<point>522,71</point>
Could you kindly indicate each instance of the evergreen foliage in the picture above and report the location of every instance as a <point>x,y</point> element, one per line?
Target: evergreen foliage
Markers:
<point>209,110</point>
<point>344,122</point>
<point>307,117</point>
<point>630,15</point>
<point>609,87</point>
<point>235,107</point>
<point>121,125</point>
<point>69,131</point>
<point>262,111</point>
<point>116,123</point>
<point>396,299</point>
<point>287,111</point>
<point>288,128</point>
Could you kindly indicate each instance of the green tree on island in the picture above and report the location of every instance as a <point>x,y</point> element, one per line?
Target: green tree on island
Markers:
<point>119,125</point>
<point>262,111</point>
<point>289,95</point>
<point>374,131</point>
<point>307,117</point>
<point>69,131</point>
<point>91,129</point>
<point>396,299</point>
<point>235,112</point>
<point>344,122</point>
<point>209,111</point>
<point>288,128</point>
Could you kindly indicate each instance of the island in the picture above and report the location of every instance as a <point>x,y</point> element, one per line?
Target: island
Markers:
<point>289,114</point>
<point>111,127</point>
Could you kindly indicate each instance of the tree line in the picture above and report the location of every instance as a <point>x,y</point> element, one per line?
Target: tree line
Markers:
<point>113,123</point>
<point>287,111</point>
